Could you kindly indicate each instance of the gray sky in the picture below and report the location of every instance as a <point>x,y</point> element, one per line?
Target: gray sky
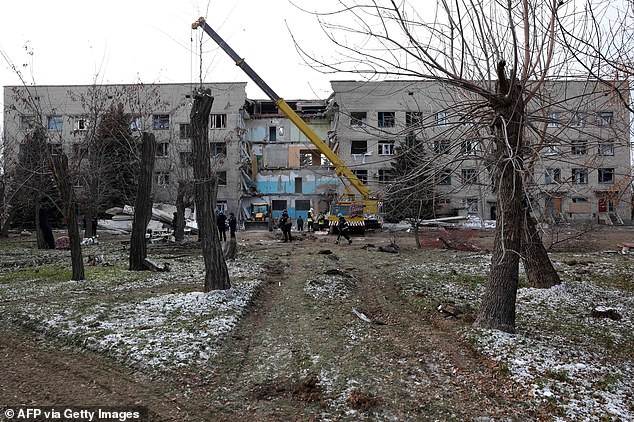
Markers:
<point>74,42</point>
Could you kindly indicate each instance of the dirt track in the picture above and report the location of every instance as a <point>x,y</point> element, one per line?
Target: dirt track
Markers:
<point>296,356</point>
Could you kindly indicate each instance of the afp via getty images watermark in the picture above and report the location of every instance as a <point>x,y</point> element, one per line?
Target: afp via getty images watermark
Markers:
<point>75,414</point>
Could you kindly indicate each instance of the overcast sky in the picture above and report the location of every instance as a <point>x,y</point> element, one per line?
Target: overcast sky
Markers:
<point>73,42</point>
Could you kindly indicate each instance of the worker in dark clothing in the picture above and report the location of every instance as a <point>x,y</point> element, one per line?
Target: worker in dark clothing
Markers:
<point>321,221</point>
<point>221,221</point>
<point>233,225</point>
<point>309,222</point>
<point>342,228</point>
<point>286,223</point>
<point>300,223</point>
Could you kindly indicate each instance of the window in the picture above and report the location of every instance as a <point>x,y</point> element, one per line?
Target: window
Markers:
<point>54,123</point>
<point>309,158</point>
<point>185,130</point>
<point>136,123</point>
<point>579,147</point>
<point>272,134</point>
<point>162,149</point>
<point>471,205</point>
<point>162,178</point>
<point>278,204</point>
<point>470,147</point>
<point>358,118</point>
<point>413,118</point>
<point>578,120</point>
<point>553,119</point>
<point>222,178</point>
<point>218,121</point>
<point>161,121</point>
<point>605,118</point>
<point>385,175</point>
<point>444,177</point>
<point>579,176</point>
<point>302,205</point>
<point>441,118</point>
<point>386,147</point>
<point>552,147</point>
<point>27,122</point>
<point>552,176</point>
<point>386,118</point>
<point>217,148</point>
<point>186,159</point>
<point>362,175</point>
<point>80,124</point>
<point>358,147</point>
<point>221,207</point>
<point>606,176</point>
<point>606,148</point>
<point>298,185</point>
<point>441,146</point>
<point>469,176</point>
<point>579,200</point>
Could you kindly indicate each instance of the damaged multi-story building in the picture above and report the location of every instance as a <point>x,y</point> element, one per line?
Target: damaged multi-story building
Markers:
<point>580,168</point>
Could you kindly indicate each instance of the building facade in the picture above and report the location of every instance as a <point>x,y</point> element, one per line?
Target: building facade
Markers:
<point>578,160</point>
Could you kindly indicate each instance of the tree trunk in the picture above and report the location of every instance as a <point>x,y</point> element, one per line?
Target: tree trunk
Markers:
<point>7,218</point>
<point>90,216</point>
<point>60,173</point>
<point>498,303</point>
<point>43,232</point>
<point>216,272</point>
<point>142,204</point>
<point>231,248</point>
<point>179,220</point>
<point>540,272</point>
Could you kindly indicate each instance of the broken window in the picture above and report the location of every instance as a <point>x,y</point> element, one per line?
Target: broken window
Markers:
<point>385,175</point>
<point>441,118</point>
<point>186,159</point>
<point>185,131</point>
<point>221,176</point>
<point>161,121</point>
<point>361,175</point>
<point>441,146</point>
<point>470,147</point>
<point>552,176</point>
<point>55,149</point>
<point>444,177</point>
<point>413,118</point>
<point>553,119</point>
<point>606,148</point>
<point>162,149</point>
<point>579,176</point>
<point>217,148</point>
<point>272,134</point>
<point>27,122</point>
<point>606,176</point>
<point>578,120</point>
<point>162,178</point>
<point>386,118</point>
<point>469,176</point>
<point>302,205</point>
<point>553,147</point>
<point>80,124</point>
<point>136,123</point>
<point>358,118</point>
<point>386,147</point>
<point>358,147</point>
<point>54,123</point>
<point>278,204</point>
<point>579,147</point>
<point>218,121</point>
<point>605,118</point>
<point>309,158</point>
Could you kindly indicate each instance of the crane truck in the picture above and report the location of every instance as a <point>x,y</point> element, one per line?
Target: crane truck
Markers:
<point>361,209</point>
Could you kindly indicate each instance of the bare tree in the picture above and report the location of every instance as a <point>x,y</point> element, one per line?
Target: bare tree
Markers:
<point>496,60</point>
<point>205,183</point>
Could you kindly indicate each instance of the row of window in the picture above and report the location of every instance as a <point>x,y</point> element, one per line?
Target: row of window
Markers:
<point>605,176</point>
<point>215,149</point>
<point>387,119</point>
<point>159,122</point>
<point>162,178</point>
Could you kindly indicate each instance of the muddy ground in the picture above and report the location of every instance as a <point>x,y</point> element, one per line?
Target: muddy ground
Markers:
<point>302,350</point>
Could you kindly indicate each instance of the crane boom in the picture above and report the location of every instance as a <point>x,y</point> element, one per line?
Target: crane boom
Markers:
<point>341,169</point>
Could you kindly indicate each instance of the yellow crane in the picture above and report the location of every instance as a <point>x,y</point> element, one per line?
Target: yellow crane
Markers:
<point>361,212</point>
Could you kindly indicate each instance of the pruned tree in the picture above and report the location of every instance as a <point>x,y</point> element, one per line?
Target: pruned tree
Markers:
<point>205,185</point>
<point>495,61</point>
<point>143,204</point>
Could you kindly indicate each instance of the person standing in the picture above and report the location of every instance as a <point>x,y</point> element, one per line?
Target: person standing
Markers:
<point>285,224</point>
<point>233,225</point>
<point>300,223</point>
<point>342,228</point>
<point>309,222</point>
<point>221,221</point>
<point>321,221</point>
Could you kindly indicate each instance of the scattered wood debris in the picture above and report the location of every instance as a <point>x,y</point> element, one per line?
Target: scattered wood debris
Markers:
<point>363,317</point>
<point>605,312</point>
<point>155,266</point>
<point>450,310</point>
<point>391,248</point>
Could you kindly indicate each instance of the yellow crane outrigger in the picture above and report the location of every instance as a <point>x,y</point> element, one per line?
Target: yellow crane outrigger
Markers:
<point>364,210</point>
